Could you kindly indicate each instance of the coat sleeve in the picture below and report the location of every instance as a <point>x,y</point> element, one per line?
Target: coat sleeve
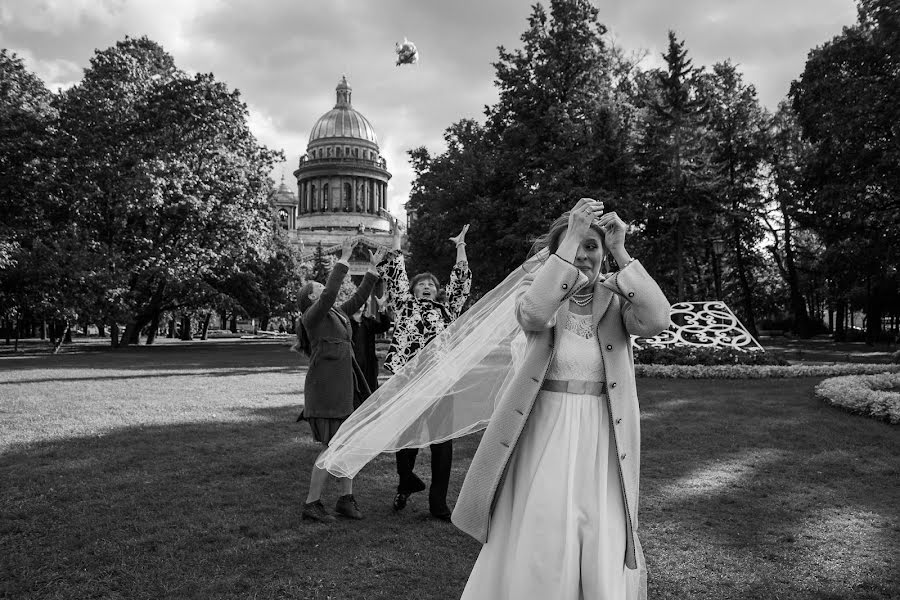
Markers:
<point>323,304</point>
<point>393,272</point>
<point>543,292</point>
<point>645,310</point>
<point>361,295</point>
<point>458,288</point>
<point>381,324</point>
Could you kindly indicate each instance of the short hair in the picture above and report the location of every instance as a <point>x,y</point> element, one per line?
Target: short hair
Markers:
<point>422,276</point>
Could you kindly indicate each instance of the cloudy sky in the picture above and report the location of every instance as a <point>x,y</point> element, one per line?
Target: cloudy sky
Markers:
<point>286,56</point>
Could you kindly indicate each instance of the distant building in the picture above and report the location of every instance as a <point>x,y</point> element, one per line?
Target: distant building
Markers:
<point>341,186</point>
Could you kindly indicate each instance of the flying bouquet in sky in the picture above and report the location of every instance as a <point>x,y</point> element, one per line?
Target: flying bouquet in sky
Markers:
<point>407,54</point>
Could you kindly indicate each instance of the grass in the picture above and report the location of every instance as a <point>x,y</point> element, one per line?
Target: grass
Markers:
<point>178,471</point>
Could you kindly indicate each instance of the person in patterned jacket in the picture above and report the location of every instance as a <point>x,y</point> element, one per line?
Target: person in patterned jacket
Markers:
<point>420,314</point>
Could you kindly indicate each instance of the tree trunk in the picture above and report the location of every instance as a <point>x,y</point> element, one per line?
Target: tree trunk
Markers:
<point>840,331</point>
<point>84,329</point>
<point>264,323</point>
<point>154,328</point>
<point>8,331</point>
<point>43,330</point>
<point>171,333</point>
<point>114,334</point>
<point>205,328</point>
<point>746,290</point>
<point>679,253</point>
<point>802,325</point>
<point>16,347</point>
<point>67,336</point>
<point>873,319</point>
<point>186,333</point>
<point>101,329</point>
<point>131,335</point>
<point>234,323</point>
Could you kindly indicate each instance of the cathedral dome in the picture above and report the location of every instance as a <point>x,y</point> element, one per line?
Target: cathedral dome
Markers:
<point>343,121</point>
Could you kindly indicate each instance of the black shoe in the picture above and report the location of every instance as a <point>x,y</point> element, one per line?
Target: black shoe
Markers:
<point>414,485</point>
<point>346,506</point>
<point>400,500</point>
<point>315,511</point>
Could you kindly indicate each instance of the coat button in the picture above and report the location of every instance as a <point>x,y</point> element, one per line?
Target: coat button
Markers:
<point>622,457</point>
<point>565,286</point>
<point>609,346</point>
<point>618,421</point>
<point>631,294</point>
<point>613,384</point>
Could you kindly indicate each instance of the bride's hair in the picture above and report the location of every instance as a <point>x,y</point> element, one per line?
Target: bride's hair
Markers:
<point>550,241</point>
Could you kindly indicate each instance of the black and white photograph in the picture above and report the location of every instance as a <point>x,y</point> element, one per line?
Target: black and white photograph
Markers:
<point>476,300</point>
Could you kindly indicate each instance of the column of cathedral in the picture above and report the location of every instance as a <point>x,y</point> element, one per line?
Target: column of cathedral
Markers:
<point>312,195</point>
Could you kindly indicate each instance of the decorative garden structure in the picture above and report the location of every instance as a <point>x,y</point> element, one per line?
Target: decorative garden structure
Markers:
<point>709,324</point>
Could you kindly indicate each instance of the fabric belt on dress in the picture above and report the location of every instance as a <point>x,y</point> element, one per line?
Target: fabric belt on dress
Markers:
<point>575,386</point>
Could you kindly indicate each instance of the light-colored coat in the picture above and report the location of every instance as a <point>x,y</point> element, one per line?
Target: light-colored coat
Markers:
<point>629,302</point>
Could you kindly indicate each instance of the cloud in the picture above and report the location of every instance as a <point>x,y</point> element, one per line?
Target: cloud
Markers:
<point>286,56</point>
<point>57,74</point>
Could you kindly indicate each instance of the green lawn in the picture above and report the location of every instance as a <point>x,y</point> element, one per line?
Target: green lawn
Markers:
<point>178,471</point>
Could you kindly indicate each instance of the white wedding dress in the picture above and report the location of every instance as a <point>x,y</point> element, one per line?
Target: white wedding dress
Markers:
<point>558,528</point>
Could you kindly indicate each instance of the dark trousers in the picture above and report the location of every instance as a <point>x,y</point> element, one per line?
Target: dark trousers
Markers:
<point>441,459</point>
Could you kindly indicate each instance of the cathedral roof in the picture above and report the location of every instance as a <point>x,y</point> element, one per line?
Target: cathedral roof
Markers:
<point>343,121</point>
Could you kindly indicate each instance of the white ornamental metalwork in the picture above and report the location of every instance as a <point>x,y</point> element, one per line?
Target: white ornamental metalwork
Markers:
<point>709,324</point>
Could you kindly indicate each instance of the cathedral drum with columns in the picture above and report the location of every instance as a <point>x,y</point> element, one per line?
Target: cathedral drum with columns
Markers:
<point>341,186</point>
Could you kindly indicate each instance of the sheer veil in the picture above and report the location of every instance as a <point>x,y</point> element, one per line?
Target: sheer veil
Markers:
<point>447,391</point>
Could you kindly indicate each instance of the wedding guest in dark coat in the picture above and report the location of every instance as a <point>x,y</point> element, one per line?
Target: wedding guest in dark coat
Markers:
<point>365,329</point>
<point>334,384</point>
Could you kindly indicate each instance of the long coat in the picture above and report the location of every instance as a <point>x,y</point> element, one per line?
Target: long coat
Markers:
<point>364,332</point>
<point>333,378</point>
<point>628,302</point>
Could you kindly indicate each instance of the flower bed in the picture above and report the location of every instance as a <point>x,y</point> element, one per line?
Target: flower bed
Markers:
<point>874,395</point>
<point>706,356</point>
<point>760,371</point>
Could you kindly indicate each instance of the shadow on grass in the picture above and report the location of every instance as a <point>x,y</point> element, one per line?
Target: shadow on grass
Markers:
<point>750,489</point>
<point>212,511</point>
<point>762,491</point>
<point>220,354</point>
<point>212,372</point>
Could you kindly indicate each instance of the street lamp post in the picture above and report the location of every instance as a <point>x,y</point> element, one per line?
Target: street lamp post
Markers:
<point>718,246</point>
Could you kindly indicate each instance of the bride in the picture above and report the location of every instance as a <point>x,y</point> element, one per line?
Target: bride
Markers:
<point>544,361</point>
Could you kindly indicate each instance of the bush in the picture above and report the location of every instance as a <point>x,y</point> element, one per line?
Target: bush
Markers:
<point>873,395</point>
<point>698,355</point>
<point>759,371</point>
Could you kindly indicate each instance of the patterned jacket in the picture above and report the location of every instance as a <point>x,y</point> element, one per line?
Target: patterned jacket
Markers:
<point>417,322</point>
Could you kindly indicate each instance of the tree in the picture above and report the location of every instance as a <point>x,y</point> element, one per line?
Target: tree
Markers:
<point>164,177</point>
<point>558,132</point>
<point>33,218</point>
<point>846,108</point>
<point>787,155</point>
<point>321,265</point>
<point>673,177</point>
<point>737,128</point>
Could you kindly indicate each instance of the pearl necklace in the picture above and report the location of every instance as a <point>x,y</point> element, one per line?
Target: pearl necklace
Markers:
<point>583,300</point>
